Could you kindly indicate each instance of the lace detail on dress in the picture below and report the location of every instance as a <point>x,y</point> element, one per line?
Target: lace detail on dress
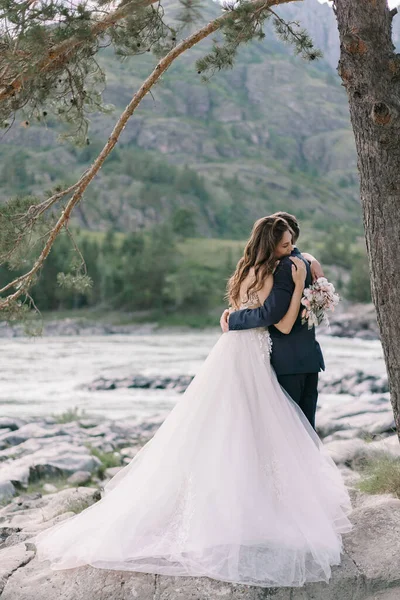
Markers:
<point>265,341</point>
<point>272,469</point>
<point>183,514</point>
<point>251,302</point>
<point>263,336</point>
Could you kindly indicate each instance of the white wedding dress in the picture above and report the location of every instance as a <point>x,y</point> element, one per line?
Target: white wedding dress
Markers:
<point>235,485</point>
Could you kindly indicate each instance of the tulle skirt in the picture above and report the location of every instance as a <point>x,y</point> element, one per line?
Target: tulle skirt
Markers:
<point>235,485</point>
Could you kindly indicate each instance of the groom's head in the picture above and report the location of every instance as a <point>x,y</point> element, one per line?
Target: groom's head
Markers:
<point>291,221</point>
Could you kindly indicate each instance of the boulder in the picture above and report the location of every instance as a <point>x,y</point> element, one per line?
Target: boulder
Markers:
<point>32,512</point>
<point>12,423</point>
<point>112,471</point>
<point>49,488</point>
<point>11,559</point>
<point>7,491</point>
<point>32,445</point>
<point>53,460</point>
<point>28,431</point>
<point>353,450</point>
<point>374,542</point>
<point>79,478</point>
<point>371,413</point>
<point>346,451</point>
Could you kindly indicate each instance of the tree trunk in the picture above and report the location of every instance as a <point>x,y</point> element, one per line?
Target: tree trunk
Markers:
<point>370,71</point>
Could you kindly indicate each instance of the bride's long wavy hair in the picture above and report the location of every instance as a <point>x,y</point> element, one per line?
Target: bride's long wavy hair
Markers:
<point>258,253</point>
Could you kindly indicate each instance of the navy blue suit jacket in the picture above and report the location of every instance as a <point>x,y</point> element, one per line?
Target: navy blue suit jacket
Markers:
<point>292,353</point>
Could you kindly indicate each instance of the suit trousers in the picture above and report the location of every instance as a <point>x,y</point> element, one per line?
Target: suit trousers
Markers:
<point>303,389</point>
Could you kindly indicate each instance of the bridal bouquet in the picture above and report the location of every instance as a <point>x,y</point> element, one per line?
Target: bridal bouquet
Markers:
<point>317,300</point>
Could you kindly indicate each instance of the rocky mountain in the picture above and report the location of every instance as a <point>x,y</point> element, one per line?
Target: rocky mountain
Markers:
<point>272,133</point>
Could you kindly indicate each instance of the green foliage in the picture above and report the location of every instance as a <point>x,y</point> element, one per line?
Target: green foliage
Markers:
<point>15,170</point>
<point>341,245</point>
<point>74,281</point>
<point>107,459</point>
<point>359,286</point>
<point>59,481</point>
<point>70,415</point>
<point>15,233</point>
<point>246,23</point>
<point>154,271</point>
<point>184,222</point>
<point>381,476</point>
<point>190,12</point>
<point>72,88</point>
<point>291,33</point>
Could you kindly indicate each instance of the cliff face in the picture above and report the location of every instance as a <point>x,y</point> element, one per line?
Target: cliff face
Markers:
<point>320,22</point>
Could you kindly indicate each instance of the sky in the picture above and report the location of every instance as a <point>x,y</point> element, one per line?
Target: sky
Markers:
<point>391,2</point>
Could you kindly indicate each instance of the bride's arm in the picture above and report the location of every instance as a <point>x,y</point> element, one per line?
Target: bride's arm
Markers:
<point>299,276</point>
<point>309,257</point>
<point>316,268</point>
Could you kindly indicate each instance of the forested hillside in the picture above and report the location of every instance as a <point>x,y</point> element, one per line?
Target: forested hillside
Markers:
<point>271,133</point>
<point>200,160</point>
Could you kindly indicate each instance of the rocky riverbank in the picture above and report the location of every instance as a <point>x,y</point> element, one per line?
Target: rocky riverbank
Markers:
<point>355,321</point>
<point>356,383</point>
<point>45,454</point>
<point>349,320</point>
<point>369,570</point>
<point>53,468</point>
<point>77,326</point>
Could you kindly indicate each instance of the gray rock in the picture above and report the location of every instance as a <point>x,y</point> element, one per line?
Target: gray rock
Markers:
<point>11,423</point>
<point>31,445</point>
<point>30,430</point>
<point>389,445</point>
<point>87,423</point>
<point>49,488</point>
<point>83,584</point>
<point>33,512</point>
<point>11,559</point>
<point>111,471</point>
<point>49,461</point>
<point>358,320</point>
<point>390,594</point>
<point>346,451</point>
<point>374,543</point>
<point>355,383</point>
<point>369,414</point>
<point>353,450</point>
<point>7,490</point>
<point>79,478</point>
<point>345,434</point>
<point>179,383</point>
<point>129,452</point>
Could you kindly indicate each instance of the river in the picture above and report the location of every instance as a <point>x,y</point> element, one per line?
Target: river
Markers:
<point>48,375</point>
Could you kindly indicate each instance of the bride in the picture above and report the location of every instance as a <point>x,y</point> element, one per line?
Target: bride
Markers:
<point>235,485</point>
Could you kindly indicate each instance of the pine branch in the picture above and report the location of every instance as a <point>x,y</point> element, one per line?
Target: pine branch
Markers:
<point>61,53</point>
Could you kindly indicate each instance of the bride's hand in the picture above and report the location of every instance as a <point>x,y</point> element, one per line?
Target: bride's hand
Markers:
<point>224,321</point>
<point>299,271</point>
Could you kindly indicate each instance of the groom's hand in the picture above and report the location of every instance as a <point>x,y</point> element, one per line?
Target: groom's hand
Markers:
<point>224,321</point>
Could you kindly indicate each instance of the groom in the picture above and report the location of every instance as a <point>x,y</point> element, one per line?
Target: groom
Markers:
<point>296,357</point>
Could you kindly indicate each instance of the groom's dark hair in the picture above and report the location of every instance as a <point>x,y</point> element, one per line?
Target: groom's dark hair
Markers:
<point>291,221</point>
